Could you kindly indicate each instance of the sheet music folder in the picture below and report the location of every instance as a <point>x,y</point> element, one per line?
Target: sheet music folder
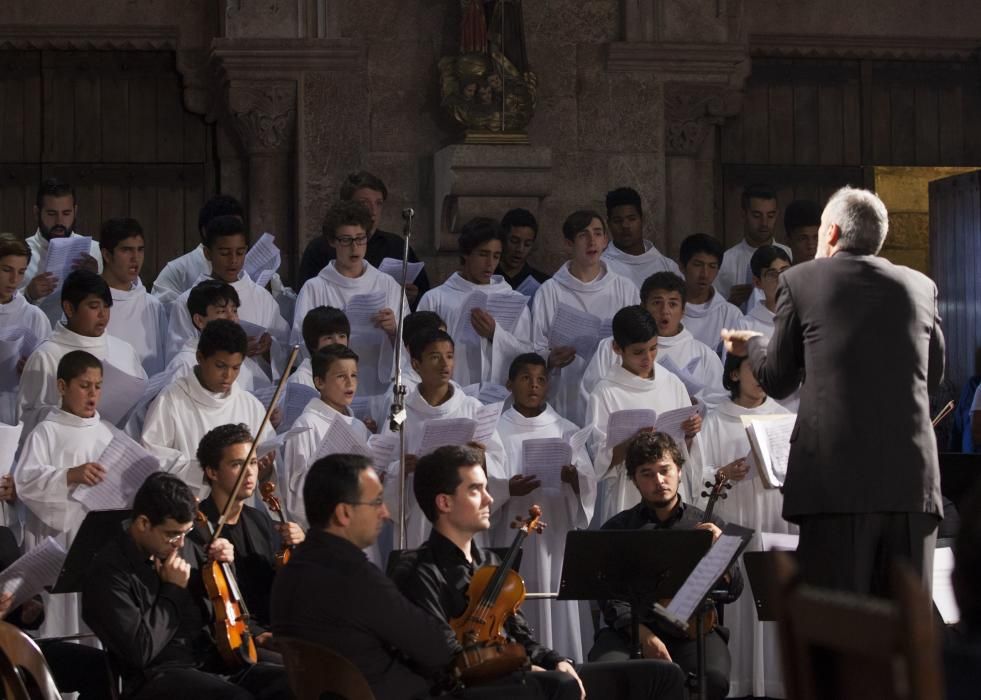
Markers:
<point>98,528</point>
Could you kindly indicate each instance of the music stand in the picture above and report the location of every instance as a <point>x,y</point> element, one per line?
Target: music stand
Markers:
<point>959,474</point>
<point>638,566</point>
<point>763,582</point>
<point>98,528</point>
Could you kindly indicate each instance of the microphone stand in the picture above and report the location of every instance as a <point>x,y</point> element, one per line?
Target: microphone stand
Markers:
<point>396,418</point>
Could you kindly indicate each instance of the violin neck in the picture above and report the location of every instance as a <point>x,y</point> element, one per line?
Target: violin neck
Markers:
<point>497,580</point>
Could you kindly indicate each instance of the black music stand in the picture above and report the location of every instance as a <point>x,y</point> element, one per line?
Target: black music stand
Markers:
<point>98,528</point>
<point>763,582</point>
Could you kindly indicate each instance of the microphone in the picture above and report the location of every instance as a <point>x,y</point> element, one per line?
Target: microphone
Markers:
<point>408,213</point>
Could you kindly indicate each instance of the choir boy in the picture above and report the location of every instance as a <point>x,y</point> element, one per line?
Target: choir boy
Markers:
<point>706,310</point>
<point>16,313</point>
<point>486,356</point>
<point>801,221</point>
<point>584,283</point>
<point>767,263</point>
<point>85,302</point>
<point>520,229</point>
<point>561,624</point>
<point>637,383</point>
<point>322,326</point>
<point>630,254</point>
<point>137,317</point>
<point>203,399</point>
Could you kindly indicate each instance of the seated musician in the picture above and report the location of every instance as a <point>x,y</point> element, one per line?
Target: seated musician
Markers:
<point>451,489</point>
<point>330,594</point>
<point>252,532</point>
<point>654,465</point>
<point>144,597</point>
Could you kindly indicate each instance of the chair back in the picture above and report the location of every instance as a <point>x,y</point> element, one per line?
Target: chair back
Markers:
<point>318,673</point>
<point>25,674</point>
<point>845,646</point>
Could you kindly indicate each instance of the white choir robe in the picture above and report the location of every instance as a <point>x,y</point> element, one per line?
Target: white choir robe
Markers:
<point>180,274</point>
<point>619,391</point>
<point>39,382</point>
<point>183,413</point>
<point>51,304</point>
<point>754,645</point>
<point>602,297</point>
<point>706,321</point>
<point>303,374</point>
<point>141,320</point>
<point>250,376</point>
<point>682,349</point>
<point>489,360</point>
<point>735,266</point>
<point>18,313</point>
<point>638,268</point>
<point>761,319</point>
<point>58,443</point>
<point>257,306</point>
<point>418,413</point>
<point>376,356</point>
<point>298,457</point>
<point>562,625</point>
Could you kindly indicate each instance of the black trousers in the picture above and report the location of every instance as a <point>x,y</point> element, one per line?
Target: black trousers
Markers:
<point>259,682</point>
<point>855,552</point>
<point>610,645</point>
<point>78,668</point>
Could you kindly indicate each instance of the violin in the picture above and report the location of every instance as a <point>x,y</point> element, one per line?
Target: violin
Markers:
<point>231,623</point>
<point>494,596</point>
<point>268,491</point>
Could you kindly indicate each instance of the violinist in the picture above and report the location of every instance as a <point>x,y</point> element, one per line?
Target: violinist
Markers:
<point>451,489</point>
<point>256,537</point>
<point>654,463</point>
<point>144,597</point>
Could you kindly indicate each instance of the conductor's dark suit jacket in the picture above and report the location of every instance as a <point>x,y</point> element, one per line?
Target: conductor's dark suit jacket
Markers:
<point>864,335</point>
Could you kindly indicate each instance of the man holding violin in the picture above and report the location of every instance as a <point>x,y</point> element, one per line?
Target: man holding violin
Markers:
<point>144,598</point>
<point>451,488</point>
<point>256,538</point>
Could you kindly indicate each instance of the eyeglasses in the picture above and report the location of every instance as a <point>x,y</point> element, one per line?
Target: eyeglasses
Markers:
<point>771,274</point>
<point>348,241</point>
<point>377,503</point>
<point>177,538</point>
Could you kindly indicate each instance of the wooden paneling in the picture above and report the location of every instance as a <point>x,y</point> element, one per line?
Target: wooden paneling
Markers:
<point>955,262</point>
<point>113,124</point>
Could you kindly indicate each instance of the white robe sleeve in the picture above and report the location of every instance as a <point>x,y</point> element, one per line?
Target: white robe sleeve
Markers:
<point>582,506</point>
<point>603,360</point>
<point>159,431</point>
<point>38,389</point>
<point>42,486</point>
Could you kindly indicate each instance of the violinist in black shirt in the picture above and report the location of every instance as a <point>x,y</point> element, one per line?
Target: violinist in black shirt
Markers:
<point>654,464</point>
<point>451,488</point>
<point>144,598</point>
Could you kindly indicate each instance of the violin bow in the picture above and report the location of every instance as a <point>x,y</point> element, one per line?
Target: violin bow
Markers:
<point>255,444</point>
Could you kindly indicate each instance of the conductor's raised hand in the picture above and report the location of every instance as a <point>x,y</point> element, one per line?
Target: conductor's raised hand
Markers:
<point>173,569</point>
<point>90,474</point>
<point>737,342</point>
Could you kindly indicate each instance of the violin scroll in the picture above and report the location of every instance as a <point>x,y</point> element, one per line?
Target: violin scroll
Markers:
<point>533,523</point>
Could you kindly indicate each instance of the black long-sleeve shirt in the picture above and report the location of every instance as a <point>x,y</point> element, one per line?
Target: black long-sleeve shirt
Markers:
<point>616,613</point>
<point>437,576</point>
<point>330,594</point>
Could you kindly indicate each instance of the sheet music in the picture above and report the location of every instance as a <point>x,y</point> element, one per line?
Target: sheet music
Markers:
<point>16,342</point>
<point>506,309</point>
<point>769,436</point>
<point>296,397</point>
<point>127,466</point>
<point>9,436</point>
<point>528,287</point>
<point>384,449</point>
<point>544,458</point>
<point>492,393</point>
<point>578,329</point>
<point>263,259</point>
<point>28,575</point>
<point>683,373</point>
<point>340,439</point>
<point>120,393</point>
<point>706,573</point>
<point>778,542</point>
<point>486,419</point>
<point>943,588</point>
<point>464,331</point>
<point>670,421</point>
<point>623,425</point>
<point>63,253</point>
<point>274,443</point>
<point>445,431</point>
<point>361,308</point>
<point>265,394</point>
<point>393,268</point>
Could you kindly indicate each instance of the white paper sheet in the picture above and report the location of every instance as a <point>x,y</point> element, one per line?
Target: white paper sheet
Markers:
<point>384,449</point>
<point>446,431</point>
<point>63,253</point>
<point>778,542</point>
<point>263,260</point>
<point>120,393</point>
<point>28,575</point>
<point>265,394</point>
<point>623,425</point>
<point>296,398</point>
<point>769,436</point>
<point>340,439</point>
<point>670,421</point>
<point>274,443</point>
<point>943,588</point>
<point>127,466</point>
<point>578,329</point>
<point>544,458</point>
<point>706,573</point>
<point>9,437</point>
<point>486,419</point>
<point>16,342</point>
<point>528,287</point>
<point>360,309</point>
<point>683,373</point>
<point>393,267</point>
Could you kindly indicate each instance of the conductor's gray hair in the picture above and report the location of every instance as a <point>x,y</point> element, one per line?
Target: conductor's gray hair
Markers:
<point>862,218</point>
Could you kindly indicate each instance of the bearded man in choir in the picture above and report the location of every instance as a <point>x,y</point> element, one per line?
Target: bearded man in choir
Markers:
<point>561,624</point>
<point>58,456</point>
<point>256,538</point>
<point>586,284</point>
<point>137,317</point>
<point>16,316</point>
<point>86,302</point>
<point>630,254</point>
<point>195,403</point>
<point>706,310</point>
<point>486,355</point>
<point>636,384</point>
<point>56,210</point>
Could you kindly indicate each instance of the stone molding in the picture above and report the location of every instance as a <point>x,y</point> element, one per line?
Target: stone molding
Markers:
<point>263,59</point>
<point>691,110</point>
<point>712,63</point>
<point>88,37</point>
<point>867,47</point>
